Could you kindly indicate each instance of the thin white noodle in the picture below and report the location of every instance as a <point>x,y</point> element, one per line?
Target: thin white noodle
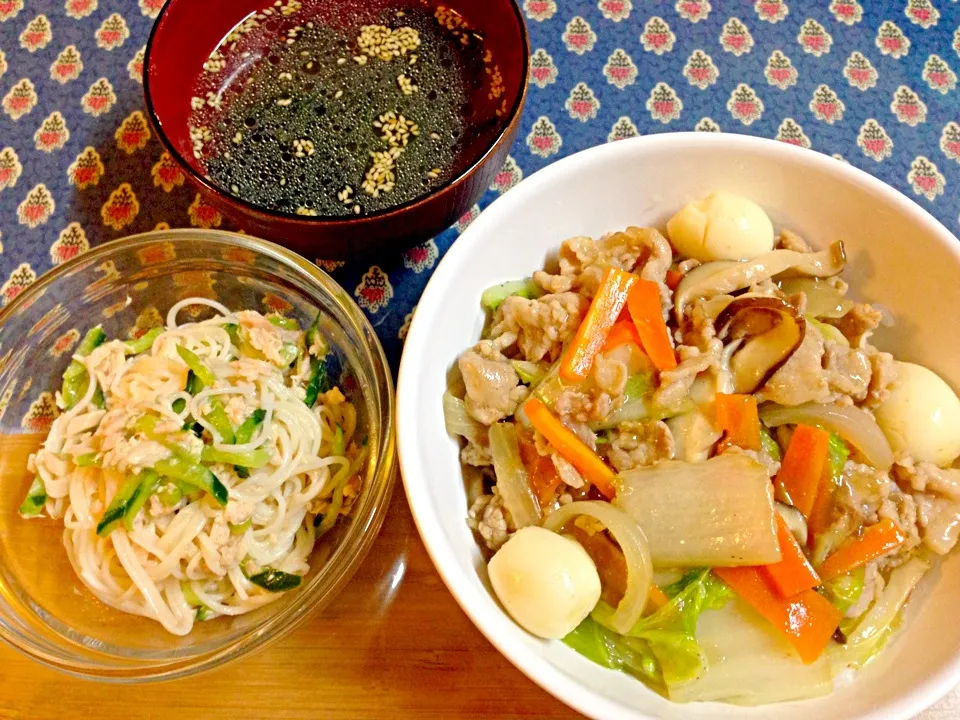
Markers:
<point>144,570</point>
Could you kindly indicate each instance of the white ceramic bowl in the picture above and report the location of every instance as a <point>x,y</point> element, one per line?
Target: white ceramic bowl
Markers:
<point>899,256</point>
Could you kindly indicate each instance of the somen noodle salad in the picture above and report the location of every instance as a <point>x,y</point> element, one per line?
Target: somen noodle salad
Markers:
<point>195,466</point>
<point>686,459</point>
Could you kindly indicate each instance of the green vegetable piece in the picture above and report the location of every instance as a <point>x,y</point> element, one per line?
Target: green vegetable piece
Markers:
<point>493,296</point>
<point>197,366</point>
<point>844,591</point>
<point>317,382</point>
<point>97,398</point>
<point>638,385</point>
<point>147,425</point>
<point>233,330</point>
<point>252,459</point>
<point>148,483</point>
<point>284,322</point>
<point>194,475</point>
<point>616,652</point>
<point>142,343</point>
<point>670,632</point>
<point>769,445</point>
<point>240,528</point>
<point>186,587</point>
<point>275,580</point>
<point>118,506</point>
<point>217,417</point>
<point>204,613</point>
<point>249,426</point>
<point>88,460</point>
<point>245,433</point>
<point>316,344</point>
<point>289,353</point>
<point>178,405</point>
<point>75,377</point>
<point>193,385</point>
<point>170,494</point>
<point>337,447</point>
<point>530,373</point>
<point>35,500</point>
<point>837,455</point>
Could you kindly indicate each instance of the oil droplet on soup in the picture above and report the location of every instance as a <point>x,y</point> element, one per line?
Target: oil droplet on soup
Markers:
<point>335,108</point>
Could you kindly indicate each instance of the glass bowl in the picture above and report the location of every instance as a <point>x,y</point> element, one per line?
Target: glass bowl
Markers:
<point>186,32</point>
<point>45,610</point>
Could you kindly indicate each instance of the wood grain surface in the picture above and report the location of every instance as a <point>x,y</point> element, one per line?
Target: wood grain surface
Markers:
<point>394,645</point>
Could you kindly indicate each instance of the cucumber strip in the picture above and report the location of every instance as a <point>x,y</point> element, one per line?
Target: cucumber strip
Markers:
<point>245,433</point>
<point>189,595</point>
<point>148,483</point>
<point>193,385</point>
<point>170,494</point>
<point>289,352</point>
<point>193,475</point>
<point>178,405</point>
<point>204,613</point>
<point>275,580</point>
<point>338,447</point>
<point>316,344</point>
<point>75,377</point>
<point>114,513</point>
<point>88,460</point>
<point>142,343</point>
<point>200,370</point>
<point>147,425</point>
<point>284,322</point>
<point>35,500</point>
<point>317,381</point>
<point>217,417</point>
<point>233,330</point>
<point>240,528</point>
<point>253,459</point>
<point>493,296</point>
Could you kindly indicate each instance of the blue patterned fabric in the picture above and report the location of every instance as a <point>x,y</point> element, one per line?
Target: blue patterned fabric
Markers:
<point>873,84</point>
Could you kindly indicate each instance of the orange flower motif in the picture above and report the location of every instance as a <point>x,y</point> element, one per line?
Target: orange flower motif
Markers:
<point>87,169</point>
<point>37,207</point>
<point>36,35</point>
<point>79,9</point>
<point>275,303</point>
<point>9,9</point>
<point>67,66</point>
<point>43,411</point>
<point>52,133</point>
<point>21,99</point>
<point>133,133</point>
<point>166,173</point>
<point>157,253</point>
<point>203,215</point>
<point>121,208</point>
<point>99,98</point>
<point>135,66</point>
<point>72,242</point>
<point>113,32</point>
<point>19,280</point>
<point>64,343</point>
<point>10,168</point>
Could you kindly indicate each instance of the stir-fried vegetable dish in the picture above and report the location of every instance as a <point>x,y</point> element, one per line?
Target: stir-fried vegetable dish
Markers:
<point>688,462</point>
<point>195,466</point>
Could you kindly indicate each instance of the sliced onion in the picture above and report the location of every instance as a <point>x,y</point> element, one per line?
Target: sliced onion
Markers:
<point>856,426</point>
<point>512,481</point>
<point>823,299</point>
<point>459,422</point>
<point>632,542</point>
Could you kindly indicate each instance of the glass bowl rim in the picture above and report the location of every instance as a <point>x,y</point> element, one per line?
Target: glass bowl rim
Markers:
<point>508,121</point>
<point>350,551</point>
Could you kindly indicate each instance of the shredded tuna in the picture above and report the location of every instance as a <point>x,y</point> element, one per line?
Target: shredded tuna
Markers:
<point>540,326</point>
<point>493,387</point>
<point>636,444</point>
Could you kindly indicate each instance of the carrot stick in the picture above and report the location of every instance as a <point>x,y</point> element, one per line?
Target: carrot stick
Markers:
<point>570,447</point>
<point>737,417</point>
<point>673,278</point>
<point>807,620</point>
<point>646,313</point>
<point>794,573</point>
<point>873,542</point>
<point>622,332</point>
<point>802,466</point>
<point>606,306</point>
<point>656,599</point>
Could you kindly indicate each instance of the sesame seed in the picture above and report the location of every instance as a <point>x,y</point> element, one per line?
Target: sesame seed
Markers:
<point>338,95</point>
